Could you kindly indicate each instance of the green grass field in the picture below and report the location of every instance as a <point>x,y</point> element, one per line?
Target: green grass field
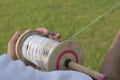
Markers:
<point>66,17</point>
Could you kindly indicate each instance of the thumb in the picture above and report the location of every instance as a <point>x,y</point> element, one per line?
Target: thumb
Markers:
<point>11,45</point>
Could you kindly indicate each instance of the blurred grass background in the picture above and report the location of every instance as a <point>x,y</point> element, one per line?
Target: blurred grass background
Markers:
<point>66,17</point>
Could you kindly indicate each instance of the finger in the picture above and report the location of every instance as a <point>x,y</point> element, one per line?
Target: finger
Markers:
<point>54,35</point>
<point>43,30</point>
<point>15,37</point>
<point>11,45</point>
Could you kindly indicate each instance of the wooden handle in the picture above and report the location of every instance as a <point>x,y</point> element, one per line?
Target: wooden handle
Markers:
<point>94,74</point>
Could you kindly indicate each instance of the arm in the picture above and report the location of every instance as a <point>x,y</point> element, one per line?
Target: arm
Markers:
<point>111,65</point>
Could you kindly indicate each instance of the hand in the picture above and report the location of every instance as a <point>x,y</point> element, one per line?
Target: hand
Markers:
<point>13,40</point>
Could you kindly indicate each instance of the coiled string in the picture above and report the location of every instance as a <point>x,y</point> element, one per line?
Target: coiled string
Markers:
<point>37,49</point>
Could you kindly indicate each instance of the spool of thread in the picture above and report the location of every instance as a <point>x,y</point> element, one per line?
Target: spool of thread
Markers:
<point>48,54</point>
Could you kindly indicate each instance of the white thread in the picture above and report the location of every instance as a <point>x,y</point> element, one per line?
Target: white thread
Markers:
<point>92,22</point>
<point>37,48</point>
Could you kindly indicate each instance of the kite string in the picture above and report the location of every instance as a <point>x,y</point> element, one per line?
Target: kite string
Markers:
<point>95,20</point>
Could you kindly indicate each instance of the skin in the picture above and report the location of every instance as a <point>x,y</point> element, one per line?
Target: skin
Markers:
<point>111,64</point>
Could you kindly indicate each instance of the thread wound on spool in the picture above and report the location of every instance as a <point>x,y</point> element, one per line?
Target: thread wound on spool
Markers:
<point>35,48</point>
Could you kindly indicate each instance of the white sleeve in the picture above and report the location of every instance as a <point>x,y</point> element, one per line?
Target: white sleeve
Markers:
<point>16,70</point>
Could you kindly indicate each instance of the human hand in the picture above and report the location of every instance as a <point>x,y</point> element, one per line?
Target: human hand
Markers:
<point>13,40</point>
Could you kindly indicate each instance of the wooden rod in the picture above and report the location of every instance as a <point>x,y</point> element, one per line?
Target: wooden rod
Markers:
<point>93,74</point>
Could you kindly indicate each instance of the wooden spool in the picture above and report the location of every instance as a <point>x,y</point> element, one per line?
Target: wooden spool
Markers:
<point>67,55</point>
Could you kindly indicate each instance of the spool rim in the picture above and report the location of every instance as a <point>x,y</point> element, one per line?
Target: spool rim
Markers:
<point>19,43</point>
<point>78,58</point>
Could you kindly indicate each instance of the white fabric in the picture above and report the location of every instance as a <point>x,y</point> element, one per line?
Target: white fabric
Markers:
<point>16,70</point>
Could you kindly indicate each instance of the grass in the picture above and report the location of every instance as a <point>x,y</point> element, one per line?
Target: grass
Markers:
<point>66,17</point>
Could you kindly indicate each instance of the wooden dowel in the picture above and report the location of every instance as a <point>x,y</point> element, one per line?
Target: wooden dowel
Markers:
<point>93,74</point>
